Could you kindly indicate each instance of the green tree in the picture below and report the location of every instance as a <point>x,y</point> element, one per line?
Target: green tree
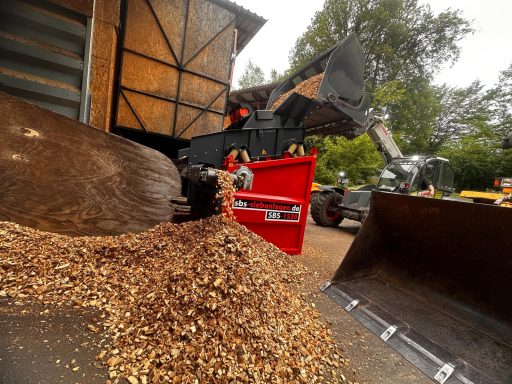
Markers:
<point>358,158</point>
<point>475,122</point>
<point>405,44</point>
<point>412,118</point>
<point>276,77</point>
<point>500,100</point>
<point>475,158</point>
<point>501,105</point>
<point>253,76</point>
<point>433,117</point>
<point>402,39</point>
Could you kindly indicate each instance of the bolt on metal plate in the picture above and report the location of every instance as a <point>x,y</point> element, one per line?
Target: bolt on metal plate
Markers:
<point>326,285</point>
<point>388,333</point>
<point>352,305</point>
<point>444,373</point>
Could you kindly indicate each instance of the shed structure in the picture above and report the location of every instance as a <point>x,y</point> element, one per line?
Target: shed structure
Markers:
<point>155,71</point>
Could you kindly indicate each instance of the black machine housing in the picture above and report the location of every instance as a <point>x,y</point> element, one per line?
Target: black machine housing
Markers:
<point>341,103</point>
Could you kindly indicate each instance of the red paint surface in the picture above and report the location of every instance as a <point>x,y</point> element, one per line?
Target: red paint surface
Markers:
<point>285,183</point>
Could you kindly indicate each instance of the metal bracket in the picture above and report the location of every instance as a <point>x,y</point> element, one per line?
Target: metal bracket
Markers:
<point>243,178</point>
<point>325,285</point>
<point>444,373</point>
<point>352,305</point>
<point>388,333</point>
<point>333,97</point>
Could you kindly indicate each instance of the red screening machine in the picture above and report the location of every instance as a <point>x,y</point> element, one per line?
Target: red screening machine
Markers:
<point>265,151</point>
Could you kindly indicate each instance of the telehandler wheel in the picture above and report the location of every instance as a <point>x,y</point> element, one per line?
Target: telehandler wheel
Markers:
<point>325,209</point>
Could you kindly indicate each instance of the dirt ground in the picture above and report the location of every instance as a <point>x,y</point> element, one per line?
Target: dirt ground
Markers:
<point>367,359</point>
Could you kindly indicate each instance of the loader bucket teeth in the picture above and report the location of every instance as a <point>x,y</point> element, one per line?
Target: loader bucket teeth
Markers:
<point>59,175</point>
<point>432,278</point>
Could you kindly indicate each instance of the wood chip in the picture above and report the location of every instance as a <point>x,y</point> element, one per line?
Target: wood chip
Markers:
<point>203,301</point>
<point>308,88</point>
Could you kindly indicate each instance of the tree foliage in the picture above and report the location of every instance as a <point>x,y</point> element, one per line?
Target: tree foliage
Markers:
<point>358,158</point>
<point>500,100</point>
<point>405,45</point>
<point>433,117</point>
<point>480,122</point>
<point>253,76</point>
<point>402,39</point>
<point>476,160</point>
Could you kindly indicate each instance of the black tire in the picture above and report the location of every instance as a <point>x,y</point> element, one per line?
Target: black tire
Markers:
<point>325,208</point>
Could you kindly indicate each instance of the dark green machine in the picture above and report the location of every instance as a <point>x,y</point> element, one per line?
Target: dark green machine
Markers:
<point>404,175</point>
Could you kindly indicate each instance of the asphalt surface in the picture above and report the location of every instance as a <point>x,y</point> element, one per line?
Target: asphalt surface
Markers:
<point>367,359</point>
<point>47,344</point>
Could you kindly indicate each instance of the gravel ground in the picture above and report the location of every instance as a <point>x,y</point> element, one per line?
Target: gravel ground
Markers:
<point>369,360</point>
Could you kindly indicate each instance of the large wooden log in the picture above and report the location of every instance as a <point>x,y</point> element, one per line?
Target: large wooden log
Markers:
<point>58,175</point>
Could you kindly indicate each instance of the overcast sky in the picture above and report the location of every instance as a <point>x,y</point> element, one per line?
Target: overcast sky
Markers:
<point>483,54</point>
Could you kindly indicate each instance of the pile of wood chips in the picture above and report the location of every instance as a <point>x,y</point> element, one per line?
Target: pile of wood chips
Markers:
<point>226,193</point>
<point>308,88</point>
<point>200,302</point>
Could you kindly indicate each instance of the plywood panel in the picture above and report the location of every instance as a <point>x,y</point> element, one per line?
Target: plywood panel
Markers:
<point>205,20</point>
<point>99,88</point>
<point>214,123</point>
<point>125,115</point>
<point>151,71</point>
<point>108,11</point>
<point>102,81</point>
<point>215,59</point>
<point>156,115</point>
<point>62,176</point>
<point>149,76</point>
<point>206,122</point>
<point>103,39</point>
<point>143,34</point>
<point>185,116</point>
<point>199,91</point>
<point>218,105</point>
<point>171,15</point>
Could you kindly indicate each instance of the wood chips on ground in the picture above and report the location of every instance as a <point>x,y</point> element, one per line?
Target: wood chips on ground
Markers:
<point>200,302</point>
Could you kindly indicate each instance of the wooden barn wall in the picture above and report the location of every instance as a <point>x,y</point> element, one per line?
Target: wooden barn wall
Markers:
<point>175,83</point>
<point>106,22</point>
<point>104,45</point>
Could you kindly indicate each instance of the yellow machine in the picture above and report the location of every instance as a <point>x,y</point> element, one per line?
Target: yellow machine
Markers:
<point>503,185</point>
<point>497,198</point>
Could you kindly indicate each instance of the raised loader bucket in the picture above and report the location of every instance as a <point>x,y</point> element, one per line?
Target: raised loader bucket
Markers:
<point>433,279</point>
<point>340,104</point>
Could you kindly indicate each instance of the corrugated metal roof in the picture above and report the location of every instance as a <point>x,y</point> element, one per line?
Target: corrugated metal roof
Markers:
<point>247,22</point>
<point>256,96</point>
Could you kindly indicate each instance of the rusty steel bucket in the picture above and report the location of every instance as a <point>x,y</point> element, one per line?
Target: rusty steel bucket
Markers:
<point>433,279</point>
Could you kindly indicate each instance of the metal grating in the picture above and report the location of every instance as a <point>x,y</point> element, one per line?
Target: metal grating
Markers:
<point>45,55</point>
